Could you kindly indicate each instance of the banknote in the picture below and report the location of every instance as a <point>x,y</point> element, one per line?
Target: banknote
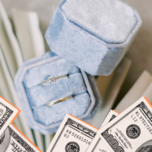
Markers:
<point>7,114</point>
<point>111,115</point>
<point>73,135</point>
<point>97,145</point>
<point>131,131</point>
<point>13,141</point>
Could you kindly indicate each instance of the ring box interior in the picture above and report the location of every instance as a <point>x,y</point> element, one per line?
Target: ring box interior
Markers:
<point>34,96</point>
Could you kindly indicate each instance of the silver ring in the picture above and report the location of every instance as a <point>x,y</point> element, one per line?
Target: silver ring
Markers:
<point>52,79</point>
<point>50,103</point>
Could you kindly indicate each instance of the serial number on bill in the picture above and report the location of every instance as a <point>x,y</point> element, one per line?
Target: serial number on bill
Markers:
<point>73,134</point>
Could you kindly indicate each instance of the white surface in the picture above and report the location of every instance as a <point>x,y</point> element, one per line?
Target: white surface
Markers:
<point>28,33</point>
<point>7,48</point>
<point>11,37</point>
<point>5,93</point>
<point>47,141</point>
<point>26,130</point>
<point>4,87</point>
<point>38,137</point>
<point>112,92</point>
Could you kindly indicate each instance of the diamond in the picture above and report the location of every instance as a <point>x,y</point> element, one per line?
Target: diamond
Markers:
<point>52,79</point>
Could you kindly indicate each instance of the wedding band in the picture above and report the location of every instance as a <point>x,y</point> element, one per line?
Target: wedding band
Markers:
<point>57,101</point>
<point>52,79</point>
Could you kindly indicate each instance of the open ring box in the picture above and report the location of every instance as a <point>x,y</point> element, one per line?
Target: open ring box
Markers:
<point>94,35</point>
<point>35,96</point>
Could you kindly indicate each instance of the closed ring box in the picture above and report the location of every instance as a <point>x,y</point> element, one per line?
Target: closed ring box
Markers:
<point>94,35</point>
<point>34,96</point>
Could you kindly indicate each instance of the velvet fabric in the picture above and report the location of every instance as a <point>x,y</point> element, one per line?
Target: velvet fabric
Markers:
<point>41,94</point>
<point>34,96</point>
<point>94,35</point>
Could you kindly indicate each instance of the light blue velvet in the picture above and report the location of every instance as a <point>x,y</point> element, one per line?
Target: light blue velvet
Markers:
<point>72,33</point>
<point>75,106</point>
<point>41,73</point>
<point>41,94</point>
<point>38,95</point>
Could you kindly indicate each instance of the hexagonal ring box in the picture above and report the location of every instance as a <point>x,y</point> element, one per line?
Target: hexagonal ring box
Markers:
<point>35,95</point>
<point>94,34</point>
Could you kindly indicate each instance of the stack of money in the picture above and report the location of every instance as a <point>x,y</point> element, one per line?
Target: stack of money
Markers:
<point>11,138</point>
<point>130,131</point>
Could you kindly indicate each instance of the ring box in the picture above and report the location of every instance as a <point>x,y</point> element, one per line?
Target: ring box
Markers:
<point>35,96</point>
<point>94,35</point>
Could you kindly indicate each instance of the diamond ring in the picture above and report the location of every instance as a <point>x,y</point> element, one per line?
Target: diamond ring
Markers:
<point>52,79</point>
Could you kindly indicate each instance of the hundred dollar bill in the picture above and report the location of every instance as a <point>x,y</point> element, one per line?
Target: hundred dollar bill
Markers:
<point>131,131</point>
<point>97,145</point>
<point>13,141</point>
<point>73,135</point>
<point>8,113</point>
<point>111,115</point>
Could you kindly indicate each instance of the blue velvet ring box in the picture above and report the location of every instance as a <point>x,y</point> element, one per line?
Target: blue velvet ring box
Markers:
<point>34,96</point>
<point>94,35</point>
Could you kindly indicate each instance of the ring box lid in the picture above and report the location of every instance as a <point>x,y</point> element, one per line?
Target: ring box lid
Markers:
<point>111,21</point>
<point>93,35</point>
